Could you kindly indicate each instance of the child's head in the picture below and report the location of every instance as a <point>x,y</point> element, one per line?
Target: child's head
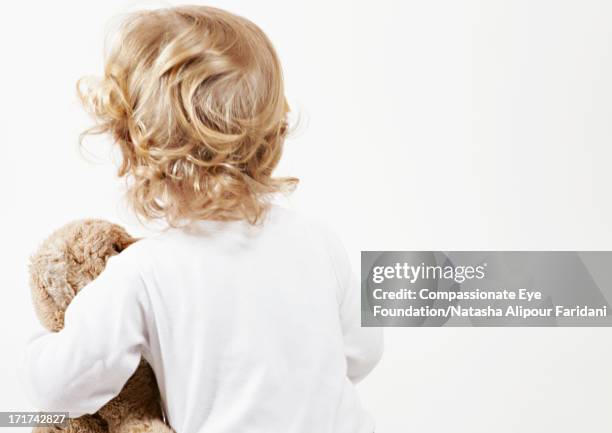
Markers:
<point>194,98</point>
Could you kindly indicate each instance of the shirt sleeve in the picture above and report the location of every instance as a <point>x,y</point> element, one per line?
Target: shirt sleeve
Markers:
<point>363,346</point>
<point>86,364</point>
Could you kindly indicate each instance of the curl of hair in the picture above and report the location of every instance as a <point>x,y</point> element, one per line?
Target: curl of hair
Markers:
<point>194,98</point>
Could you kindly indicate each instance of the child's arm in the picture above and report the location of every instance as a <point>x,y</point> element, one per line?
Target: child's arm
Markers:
<point>86,364</point>
<point>363,347</point>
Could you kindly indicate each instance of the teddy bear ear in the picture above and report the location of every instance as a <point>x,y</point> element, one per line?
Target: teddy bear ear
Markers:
<point>120,238</point>
<point>50,289</point>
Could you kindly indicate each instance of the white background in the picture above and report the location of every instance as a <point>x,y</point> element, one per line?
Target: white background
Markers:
<point>437,125</point>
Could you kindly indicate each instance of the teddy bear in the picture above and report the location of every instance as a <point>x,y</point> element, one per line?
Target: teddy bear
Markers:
<point>65,262</point>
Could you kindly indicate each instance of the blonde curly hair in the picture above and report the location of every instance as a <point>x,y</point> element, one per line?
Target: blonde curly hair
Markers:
<point>194,98</point>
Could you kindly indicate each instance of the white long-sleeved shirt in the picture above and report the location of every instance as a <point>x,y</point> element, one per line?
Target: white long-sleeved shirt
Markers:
<point>248,329</point>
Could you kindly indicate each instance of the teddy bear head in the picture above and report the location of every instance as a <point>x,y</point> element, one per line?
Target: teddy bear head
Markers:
<point>69,259</point>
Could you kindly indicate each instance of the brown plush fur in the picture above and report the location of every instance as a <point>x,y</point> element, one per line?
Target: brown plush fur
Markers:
<point>65,262</point>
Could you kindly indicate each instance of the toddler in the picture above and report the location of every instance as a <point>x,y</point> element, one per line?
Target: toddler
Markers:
<point>248,313</point>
